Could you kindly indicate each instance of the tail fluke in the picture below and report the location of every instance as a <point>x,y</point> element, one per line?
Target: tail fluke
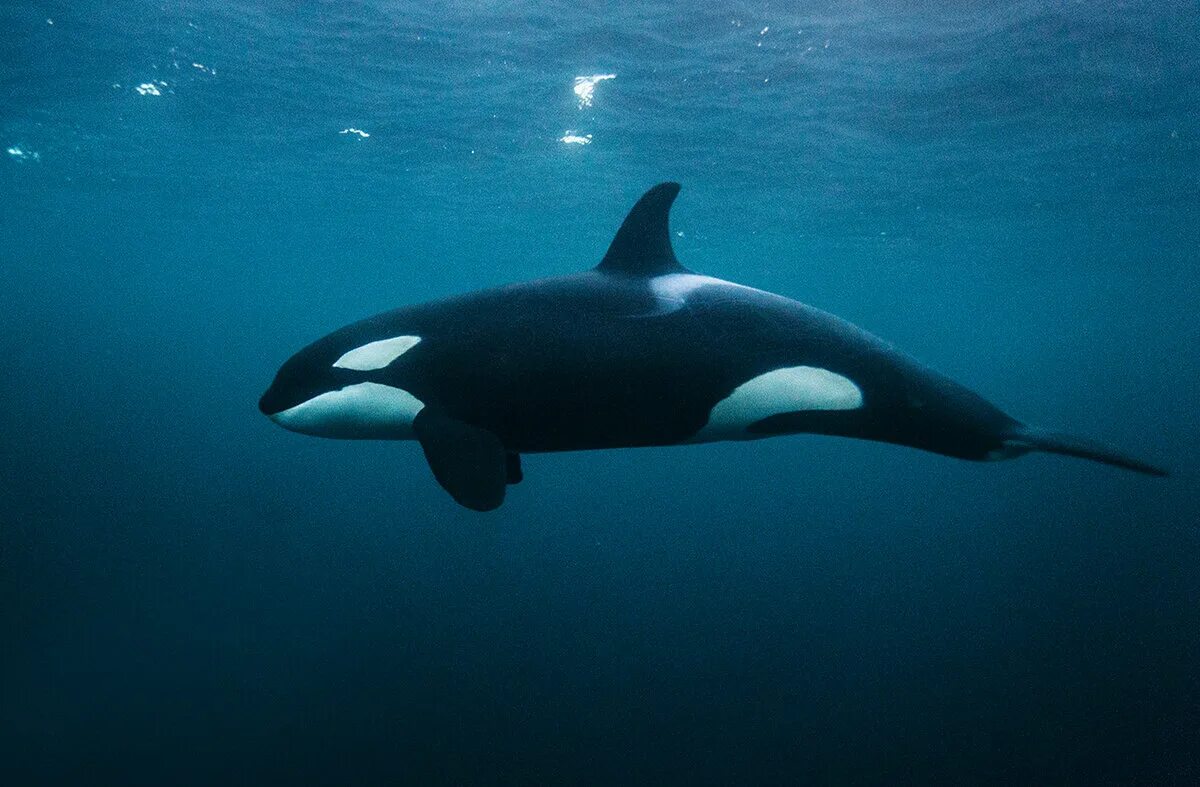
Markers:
<point>1026,438</point>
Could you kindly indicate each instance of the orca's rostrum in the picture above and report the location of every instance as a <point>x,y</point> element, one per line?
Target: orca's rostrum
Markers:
<point>638,351</point>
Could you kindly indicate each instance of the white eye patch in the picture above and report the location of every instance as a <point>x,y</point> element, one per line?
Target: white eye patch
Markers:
<point>376,355</point>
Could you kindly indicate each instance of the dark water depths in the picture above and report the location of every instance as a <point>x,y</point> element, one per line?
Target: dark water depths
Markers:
<point>190,594</point>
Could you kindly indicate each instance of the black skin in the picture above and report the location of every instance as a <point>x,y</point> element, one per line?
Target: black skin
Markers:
<point>594,360</point>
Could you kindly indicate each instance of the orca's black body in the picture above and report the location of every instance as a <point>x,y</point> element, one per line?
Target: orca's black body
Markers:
<point>636,352</point>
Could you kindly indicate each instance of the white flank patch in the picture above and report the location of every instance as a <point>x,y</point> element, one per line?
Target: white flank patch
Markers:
<point>571,138</point>
<point>376,355</point>
<point>789,390</point>
<point>357,412</point>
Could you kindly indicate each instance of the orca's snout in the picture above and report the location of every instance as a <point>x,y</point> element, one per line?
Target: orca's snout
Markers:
<point>271,402</point>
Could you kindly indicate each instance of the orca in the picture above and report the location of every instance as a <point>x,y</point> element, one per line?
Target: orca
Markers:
<point>637,351</point>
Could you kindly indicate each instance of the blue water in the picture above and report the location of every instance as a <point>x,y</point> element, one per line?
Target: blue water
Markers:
<point>189,594</point>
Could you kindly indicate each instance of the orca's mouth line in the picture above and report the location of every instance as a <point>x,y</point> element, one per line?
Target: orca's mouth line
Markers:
<point>272,404</point>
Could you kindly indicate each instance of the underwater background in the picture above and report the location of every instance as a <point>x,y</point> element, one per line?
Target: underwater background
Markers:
<point>191,191</point>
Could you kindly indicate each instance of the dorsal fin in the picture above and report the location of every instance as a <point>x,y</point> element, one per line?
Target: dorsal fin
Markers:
<point>642,247</point>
